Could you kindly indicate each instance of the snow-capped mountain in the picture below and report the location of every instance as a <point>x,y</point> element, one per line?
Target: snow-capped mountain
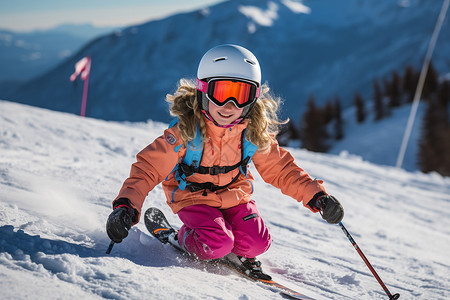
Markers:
<point>328,48</point>
<point>59,174</point>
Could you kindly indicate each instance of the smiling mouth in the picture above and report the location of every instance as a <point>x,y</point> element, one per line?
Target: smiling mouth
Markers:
<point>225,116</point>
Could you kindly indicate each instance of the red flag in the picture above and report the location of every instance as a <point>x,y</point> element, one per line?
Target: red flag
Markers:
<point>83,67</point>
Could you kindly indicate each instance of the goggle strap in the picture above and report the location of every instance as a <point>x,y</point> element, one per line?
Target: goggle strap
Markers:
<point>202,86</point>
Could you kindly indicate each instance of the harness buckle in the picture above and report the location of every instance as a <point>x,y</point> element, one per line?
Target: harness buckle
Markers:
<point>194,188</point>
<point>185,169</point>
<point>216,170</point>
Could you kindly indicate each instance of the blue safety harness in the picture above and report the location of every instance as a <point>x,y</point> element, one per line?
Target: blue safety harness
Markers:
<point>190,164</point>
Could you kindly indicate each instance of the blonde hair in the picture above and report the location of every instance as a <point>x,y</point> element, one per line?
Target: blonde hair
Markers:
<point>263,120</point>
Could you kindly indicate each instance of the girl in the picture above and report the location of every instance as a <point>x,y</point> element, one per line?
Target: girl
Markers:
<point>229,112</point>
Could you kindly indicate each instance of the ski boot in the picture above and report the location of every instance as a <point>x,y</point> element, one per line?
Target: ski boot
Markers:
<point>249,266</point>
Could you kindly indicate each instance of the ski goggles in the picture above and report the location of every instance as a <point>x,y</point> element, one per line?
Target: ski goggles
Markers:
<point>222,90</point>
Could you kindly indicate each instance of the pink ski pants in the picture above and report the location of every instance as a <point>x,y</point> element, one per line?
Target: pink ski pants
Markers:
<point>211,233</point>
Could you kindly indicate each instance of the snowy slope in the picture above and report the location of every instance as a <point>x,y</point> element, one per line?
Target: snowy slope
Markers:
<point>59,173</point>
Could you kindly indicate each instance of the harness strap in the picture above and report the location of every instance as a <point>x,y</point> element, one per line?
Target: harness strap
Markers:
<point>198,186</point>
<point>185,170</point>
<point>214,170</point>
<point>190,164</point>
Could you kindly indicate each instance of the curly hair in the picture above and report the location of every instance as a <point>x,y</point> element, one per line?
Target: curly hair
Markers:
<point>263,120</point>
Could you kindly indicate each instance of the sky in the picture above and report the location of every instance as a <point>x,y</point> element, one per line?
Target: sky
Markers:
<point>28,15</point>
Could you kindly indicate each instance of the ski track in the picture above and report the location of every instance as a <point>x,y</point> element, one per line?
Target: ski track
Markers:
<point>59,174</point>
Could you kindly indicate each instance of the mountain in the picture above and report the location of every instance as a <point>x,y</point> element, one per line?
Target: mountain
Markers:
<point>327,48</point>
<point>59,174</point>
<point>87,30</point>
<point>24,55</point>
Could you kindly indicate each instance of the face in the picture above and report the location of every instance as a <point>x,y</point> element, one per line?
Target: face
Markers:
<point>224,115</point>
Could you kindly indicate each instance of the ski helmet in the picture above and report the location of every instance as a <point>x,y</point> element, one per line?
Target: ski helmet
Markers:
<point>228,61</point>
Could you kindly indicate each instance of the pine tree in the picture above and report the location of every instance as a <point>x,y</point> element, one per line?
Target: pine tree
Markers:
<point>443,102</point>
<point>393,90</point>
<point>378,106</point>
<point>431,83</point>
<point>443,95</point>
<point>293,132</point>
<point>287,133</point>
<point>386,98</point>
<point>313,133</point>
<point>434,144</point>
<point>338,120</point>
<point>410,80</point>
<point>360,108</point>
<point>329,112</point>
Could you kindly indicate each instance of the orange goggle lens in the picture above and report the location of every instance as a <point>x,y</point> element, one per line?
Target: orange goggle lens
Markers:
<point>224,90</point>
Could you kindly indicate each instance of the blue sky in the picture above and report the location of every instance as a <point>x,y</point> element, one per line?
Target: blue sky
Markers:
<point>26,15</point>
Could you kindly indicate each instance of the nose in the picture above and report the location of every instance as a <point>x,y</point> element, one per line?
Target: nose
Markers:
<point>229,105</point>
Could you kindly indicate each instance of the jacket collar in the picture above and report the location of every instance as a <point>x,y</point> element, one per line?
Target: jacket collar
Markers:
<point>215,131</point>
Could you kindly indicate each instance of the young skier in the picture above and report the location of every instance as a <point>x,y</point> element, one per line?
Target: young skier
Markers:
<point>227,112</point>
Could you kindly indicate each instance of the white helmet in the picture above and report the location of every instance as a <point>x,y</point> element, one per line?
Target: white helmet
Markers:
<point>228,61</point>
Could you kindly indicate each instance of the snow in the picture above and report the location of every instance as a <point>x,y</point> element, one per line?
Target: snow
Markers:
<point>260,16</point>
<point>296,7</point>
<point>60,172</point>
<point>267,17</point>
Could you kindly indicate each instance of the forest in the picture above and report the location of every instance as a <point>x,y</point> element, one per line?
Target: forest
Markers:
<point>321,126</point>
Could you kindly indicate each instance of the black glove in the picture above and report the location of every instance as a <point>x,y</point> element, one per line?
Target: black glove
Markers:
<point>329,207</point>
<point>120,220</point>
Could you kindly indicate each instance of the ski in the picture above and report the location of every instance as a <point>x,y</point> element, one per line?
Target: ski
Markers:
<point>160,228</point>
<point>270,284</point>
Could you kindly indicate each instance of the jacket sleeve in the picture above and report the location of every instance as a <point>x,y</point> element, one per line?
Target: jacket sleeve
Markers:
<point>153,164</point>
<point>277,167</point>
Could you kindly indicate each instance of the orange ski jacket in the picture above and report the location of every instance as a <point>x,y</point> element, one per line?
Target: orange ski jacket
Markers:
<point>156,162</point>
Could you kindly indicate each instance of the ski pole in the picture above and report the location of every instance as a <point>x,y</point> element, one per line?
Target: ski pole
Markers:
<point>350,238</point>
<point>111,245</point>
